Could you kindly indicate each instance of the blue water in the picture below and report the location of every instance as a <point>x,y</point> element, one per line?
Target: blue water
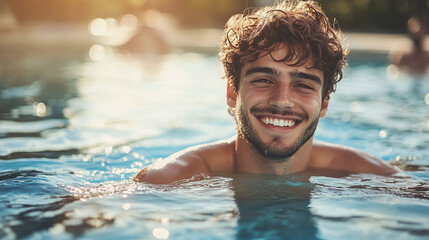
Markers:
<point>74,131</point>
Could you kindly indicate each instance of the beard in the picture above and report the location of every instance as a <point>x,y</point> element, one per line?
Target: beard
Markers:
<point>273,150</point>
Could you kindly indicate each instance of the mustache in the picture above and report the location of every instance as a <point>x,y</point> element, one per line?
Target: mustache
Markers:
<point>273,110</point>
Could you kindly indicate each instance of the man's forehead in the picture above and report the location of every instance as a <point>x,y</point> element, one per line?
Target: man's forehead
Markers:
<point>270,60</point>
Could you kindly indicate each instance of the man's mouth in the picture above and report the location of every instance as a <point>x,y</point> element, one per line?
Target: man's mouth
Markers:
<point>278,122</point>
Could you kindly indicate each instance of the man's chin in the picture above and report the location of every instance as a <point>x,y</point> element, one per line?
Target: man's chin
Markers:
<point>278,148</point>
<point>273,148</point>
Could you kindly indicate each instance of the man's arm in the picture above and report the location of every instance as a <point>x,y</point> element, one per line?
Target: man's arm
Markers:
<point>176,167</point>
<point>200,159</point>
<point>348,159</point>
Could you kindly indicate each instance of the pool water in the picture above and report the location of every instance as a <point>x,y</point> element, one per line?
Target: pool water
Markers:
<point>74,131</point>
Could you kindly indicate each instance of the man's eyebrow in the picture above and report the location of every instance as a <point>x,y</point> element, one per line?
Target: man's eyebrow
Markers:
<point>261,70</point>
<point>307,76</point>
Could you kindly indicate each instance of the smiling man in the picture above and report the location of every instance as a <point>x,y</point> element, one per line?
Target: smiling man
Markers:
<point>282,63</point>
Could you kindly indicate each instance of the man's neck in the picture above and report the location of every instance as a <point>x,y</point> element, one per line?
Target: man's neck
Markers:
<point>249,160</point>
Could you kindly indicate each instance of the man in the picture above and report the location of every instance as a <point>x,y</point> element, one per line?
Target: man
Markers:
<point>417,60</point>
<point>282,63</point>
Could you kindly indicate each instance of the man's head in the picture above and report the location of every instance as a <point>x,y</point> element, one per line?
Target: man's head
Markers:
<point>282,62</point>
<point>301,26</point>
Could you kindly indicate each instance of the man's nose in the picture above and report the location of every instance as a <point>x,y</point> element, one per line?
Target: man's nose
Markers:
<point>281,97</point>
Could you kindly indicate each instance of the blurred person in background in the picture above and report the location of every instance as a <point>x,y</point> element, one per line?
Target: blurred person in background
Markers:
<point>417,60</point>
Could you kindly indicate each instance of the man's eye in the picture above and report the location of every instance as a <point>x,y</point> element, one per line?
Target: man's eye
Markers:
<point>262,80</point>
<point>306,86</point>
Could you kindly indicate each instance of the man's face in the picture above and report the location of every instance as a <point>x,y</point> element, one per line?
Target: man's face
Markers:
<point>277,106</point>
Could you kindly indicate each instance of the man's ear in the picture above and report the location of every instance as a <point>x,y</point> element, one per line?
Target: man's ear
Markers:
<point>231,97</point>
<point>324,109</point>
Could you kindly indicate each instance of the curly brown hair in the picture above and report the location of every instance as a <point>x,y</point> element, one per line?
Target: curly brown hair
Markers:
<point>302,26</point>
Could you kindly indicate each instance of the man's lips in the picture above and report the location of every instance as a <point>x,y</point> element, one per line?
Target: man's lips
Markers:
<point>278,122</point>
<point>275,119</point>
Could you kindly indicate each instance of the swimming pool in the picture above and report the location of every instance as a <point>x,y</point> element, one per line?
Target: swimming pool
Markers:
<point>74,131</point>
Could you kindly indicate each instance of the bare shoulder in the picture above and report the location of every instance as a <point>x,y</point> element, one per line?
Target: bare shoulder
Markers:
<point>348,159</point>
<point>192,161</point>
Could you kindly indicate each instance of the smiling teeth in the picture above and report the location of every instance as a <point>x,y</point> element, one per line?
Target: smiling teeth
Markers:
<point>278,122</point>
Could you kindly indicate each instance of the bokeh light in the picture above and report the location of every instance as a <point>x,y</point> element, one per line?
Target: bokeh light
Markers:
<point>129,22</point>
<point>100,53</point>
<point>356,107</point>
<point>160,233</point>
<point>126,206</point>
<point>41,109</point>
<point>98,27</point>
<point>392,71</point>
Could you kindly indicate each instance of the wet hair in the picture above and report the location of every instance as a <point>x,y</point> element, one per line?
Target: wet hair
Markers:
<point>302,27</point>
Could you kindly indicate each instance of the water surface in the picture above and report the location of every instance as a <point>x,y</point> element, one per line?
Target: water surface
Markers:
<point>74,131</point>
